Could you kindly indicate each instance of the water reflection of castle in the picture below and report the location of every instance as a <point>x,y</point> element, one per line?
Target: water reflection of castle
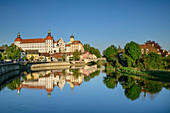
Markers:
<point>49,79</point>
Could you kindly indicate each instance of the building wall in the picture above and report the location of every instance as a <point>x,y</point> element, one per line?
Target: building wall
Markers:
<point>36,56</point>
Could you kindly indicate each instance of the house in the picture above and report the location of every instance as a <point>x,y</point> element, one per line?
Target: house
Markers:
<point>34,53</point>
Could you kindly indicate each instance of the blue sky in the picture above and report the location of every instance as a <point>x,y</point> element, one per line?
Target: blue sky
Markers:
<point>97,22</point>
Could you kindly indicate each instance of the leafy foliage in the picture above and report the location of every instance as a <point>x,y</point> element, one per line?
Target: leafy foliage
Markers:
<point>76,55</point>
<point>32,58</point>
<point>133,50</point>
<point>92,50</point>
<point>24,57</point>
<point>110,53</point>
<point>87,47</point>
<point>13,52</point>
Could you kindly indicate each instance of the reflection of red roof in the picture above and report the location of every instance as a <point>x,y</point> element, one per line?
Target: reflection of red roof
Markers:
<point>32,87</point>
<point>37,40</point>
<point>18,88</point>
<point>49,89</point>
<point>76,83</point>
<point>67,45</point>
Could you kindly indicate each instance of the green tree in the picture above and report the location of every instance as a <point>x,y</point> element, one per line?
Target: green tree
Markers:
<point>64,57</point>
<point>5,45</point>
<point>154,61</point>
<point>76,55</point>
<point>24,57</point>
<point>41,58</point>
<point>133,92</point>
<point>133,50</point>
<point>87,47</point>
<point>13,52</point>
<point>110,53</point>
<point>32,58</point>
<point>119,49</point>
<point>110,81</point>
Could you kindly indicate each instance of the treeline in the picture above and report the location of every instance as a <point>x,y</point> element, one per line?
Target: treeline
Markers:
<point>132,57</point>
<point>92,50</point>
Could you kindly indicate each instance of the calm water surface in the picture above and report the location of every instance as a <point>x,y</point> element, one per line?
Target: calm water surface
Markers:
<point>83,90</point>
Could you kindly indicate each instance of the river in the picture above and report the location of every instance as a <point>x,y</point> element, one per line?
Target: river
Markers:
<point>83,90</point>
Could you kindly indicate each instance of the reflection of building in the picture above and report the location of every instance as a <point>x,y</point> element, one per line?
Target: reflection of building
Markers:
<point>49,79</point>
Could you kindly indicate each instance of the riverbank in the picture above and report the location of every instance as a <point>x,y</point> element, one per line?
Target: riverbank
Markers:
<point>159,75</point>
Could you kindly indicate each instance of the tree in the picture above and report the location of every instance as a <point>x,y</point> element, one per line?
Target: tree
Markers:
<point>110,53</point>
<point>92,50</point>
<point>64,57</point>
<point>133,92</point>
<point>119,49</point>
<point>32,58</point>
<point>133,50</point>
<point>41,58</point>
<point>76,55</point>
<point>24,57</point>
<point>154,60</point>
<point>5,45</point>
<point>87,47</point>
<point>13,52</point>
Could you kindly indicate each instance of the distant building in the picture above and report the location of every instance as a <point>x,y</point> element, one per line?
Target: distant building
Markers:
<point>152,46</point>
<point>43,45</point>
<point>34,53</point>
<point>49,45</point>
<point>74,45</point>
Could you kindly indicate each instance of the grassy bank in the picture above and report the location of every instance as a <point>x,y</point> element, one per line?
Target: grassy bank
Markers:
<point>158,75</point>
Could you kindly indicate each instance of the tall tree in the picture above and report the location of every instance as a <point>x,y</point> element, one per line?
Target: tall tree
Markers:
<point>13,52</point>
<point>133,50</point>
<point>110,53</point>
<point>87,47</point>
<point>76,55</point>
<point>154,60</point>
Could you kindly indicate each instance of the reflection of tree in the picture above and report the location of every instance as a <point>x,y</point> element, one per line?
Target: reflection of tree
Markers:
<point>92,75</point>
<point>111,80</point>
<point>152,87</point>
<point>133,92</point>
<point>76,72</point>
<point>14,84</point>
<point>133,85</point>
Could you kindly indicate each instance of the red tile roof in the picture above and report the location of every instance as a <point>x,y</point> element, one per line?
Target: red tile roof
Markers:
<point>37,40</point>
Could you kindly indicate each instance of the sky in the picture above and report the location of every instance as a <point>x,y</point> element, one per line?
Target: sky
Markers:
<point>100,23</point>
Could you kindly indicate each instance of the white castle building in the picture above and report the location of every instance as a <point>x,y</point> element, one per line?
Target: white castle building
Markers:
<point>48,44</point>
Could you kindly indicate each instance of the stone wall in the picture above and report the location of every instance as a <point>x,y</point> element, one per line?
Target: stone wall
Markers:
<point>5,68</point>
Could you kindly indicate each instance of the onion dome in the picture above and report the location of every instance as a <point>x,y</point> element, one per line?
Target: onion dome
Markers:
<point>72,36</point>
<point>18,37</point>
<point>49,37</point>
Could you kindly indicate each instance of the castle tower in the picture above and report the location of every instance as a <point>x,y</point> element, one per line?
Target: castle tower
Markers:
<point>72,38</point>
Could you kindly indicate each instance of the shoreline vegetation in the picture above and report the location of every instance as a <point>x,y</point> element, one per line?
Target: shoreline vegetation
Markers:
<point>133,61</point>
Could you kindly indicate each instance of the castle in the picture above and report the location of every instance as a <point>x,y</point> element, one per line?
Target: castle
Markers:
<point>49,45</point>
